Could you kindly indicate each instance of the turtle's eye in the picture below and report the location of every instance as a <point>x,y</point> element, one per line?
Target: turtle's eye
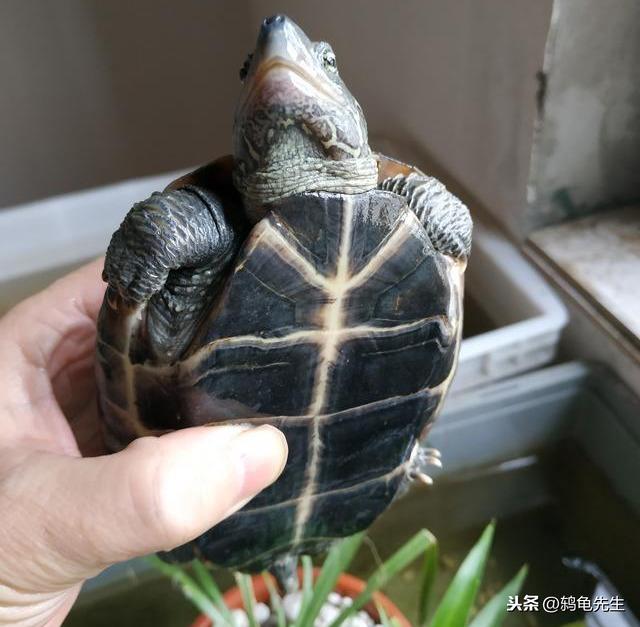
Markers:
<point>244,70</point>
<point>328,58</point>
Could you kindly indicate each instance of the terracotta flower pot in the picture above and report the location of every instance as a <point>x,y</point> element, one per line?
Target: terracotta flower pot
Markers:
<point>347,585</point>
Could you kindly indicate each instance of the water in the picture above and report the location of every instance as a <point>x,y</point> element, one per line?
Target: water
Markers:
<point>547,506</point>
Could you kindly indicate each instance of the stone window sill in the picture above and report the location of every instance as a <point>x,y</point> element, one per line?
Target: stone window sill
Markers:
<point>595,263</point>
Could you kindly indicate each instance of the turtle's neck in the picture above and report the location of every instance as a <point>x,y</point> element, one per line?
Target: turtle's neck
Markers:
<point>289,177</point>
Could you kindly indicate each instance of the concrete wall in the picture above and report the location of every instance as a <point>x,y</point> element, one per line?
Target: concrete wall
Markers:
<point>96,91</point>
<point>93,92</point>
<point>454,80</point>
<point>587,149</point>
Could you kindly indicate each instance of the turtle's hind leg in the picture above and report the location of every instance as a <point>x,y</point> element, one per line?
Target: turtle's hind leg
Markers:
<point>285,570</point>
<point>423,458</point>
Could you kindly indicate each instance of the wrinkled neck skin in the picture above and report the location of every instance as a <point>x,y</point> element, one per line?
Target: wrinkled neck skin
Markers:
<point>297,127</point>
<point>306,174</point>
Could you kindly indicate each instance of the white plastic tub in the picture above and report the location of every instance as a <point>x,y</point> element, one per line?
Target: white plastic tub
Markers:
<point>527,316</point>
<point>42,240</point>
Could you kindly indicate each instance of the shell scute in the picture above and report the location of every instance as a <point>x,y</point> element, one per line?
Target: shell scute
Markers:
<point>339,324</point>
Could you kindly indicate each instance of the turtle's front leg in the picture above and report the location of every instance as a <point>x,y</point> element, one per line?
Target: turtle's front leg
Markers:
<point>445,218</point>
<point>166,260</point>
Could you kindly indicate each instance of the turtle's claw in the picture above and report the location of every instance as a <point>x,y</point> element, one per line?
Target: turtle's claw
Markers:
<point>433,461</point>
<point>426,479</point>
<point>422,458</point>
<point>131,266</point>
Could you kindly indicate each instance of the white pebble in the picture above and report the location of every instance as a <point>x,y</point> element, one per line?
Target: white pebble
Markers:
<point>334,598</point>
<point>347,601</point>
<point>328,613</point>
<point>356,621</point>
<point>365,617</point>
<point>291,604</point>
<point>261,612</point>
<point>240,618</point>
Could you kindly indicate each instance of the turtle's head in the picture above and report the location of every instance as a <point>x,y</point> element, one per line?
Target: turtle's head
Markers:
<point>297,127</point>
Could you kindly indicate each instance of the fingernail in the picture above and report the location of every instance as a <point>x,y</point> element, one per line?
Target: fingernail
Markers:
<point>261,454</point>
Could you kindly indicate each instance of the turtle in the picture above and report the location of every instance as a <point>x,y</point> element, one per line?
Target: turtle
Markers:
<point>306,282</point>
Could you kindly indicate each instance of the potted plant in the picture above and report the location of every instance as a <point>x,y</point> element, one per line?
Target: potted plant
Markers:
<point>330,597</point>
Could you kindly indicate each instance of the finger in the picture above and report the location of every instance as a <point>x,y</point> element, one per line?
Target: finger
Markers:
<point>39,338</point>
<point>37,322</point>
<point>155,495</point>
<point>31,331</point>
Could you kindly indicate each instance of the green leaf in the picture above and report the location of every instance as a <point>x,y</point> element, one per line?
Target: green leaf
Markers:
<point>248,600</point>
<point>337,561</point>
<point>208,584</point>
<point>275,601</point>
<point>307,579</point>
<point>384,619</point>
<point>454,609</point>
<point>494,612</point>
<point>189,588</point>
<point>429,572</point>
<point>389,569</point>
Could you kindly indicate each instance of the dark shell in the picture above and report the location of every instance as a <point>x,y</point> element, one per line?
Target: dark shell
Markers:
<point>336,320</point>
<point>339,325</point>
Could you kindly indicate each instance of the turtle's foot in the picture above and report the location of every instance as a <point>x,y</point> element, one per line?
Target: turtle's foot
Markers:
<point>422,459</point>
<point>445,218</point>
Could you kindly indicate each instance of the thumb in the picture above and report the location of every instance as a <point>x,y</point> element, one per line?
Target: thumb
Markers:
<point>71,517</point>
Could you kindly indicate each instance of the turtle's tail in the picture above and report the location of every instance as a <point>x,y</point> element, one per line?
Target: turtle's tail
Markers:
<point>285,570</point>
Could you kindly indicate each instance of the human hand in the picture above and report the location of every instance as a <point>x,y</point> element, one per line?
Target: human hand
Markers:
<point>64,517</point>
